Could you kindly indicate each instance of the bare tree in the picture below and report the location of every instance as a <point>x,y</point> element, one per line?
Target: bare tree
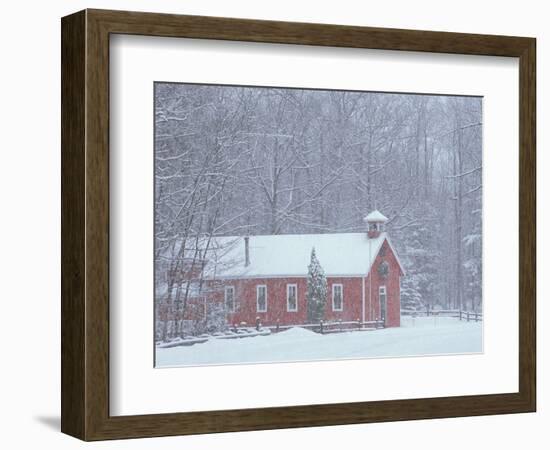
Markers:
<point>234,161</point>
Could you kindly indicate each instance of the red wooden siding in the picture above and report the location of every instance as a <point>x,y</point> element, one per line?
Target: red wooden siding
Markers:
<point>246,311</point>
<point>245,295</point>
<point>246,308</point>
<point>352,299</point>
<point>393,313</point>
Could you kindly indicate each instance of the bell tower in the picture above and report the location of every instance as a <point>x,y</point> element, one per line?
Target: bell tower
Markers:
<point>376,222</point>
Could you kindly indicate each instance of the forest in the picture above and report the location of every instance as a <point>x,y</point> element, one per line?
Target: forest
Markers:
<point>237,161</point>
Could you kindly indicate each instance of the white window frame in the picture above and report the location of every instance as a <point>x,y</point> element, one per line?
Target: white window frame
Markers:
<point>341,286</point>
<point>234,306</point>
<point>384,290</point>
<point>288,286</point>
<point>258,288</point>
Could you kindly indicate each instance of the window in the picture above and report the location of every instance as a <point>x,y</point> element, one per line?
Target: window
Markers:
<point>337,297</point>
<point>230,298</point>
<point>261,298</point>
<point>292,297</point>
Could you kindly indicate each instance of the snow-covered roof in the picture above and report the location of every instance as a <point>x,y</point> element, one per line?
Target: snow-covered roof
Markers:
<point>340,254</point>
<point>376,216</point>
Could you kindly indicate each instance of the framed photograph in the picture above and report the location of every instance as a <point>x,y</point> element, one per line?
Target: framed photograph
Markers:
<point>273,225</point>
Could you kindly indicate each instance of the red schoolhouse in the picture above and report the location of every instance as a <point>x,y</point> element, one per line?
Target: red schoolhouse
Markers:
<point>265,277</point>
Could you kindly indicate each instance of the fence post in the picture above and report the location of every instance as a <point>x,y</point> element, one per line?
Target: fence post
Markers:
<point>459,314</point>
<point>321,326</point>
<point>277,326</point>
<point>258,324</point>
<point>467,316</point>
<point>340,324</point>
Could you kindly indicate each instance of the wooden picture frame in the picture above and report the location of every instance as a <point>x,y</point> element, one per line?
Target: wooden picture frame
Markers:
<point>85,224</point>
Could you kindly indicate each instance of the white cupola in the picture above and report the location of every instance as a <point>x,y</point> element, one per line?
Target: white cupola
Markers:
<point>376,222</point>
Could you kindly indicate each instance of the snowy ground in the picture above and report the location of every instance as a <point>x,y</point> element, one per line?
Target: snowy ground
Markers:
<point>419,336</point>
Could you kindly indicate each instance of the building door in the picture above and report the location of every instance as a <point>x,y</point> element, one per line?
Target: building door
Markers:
<point>382,297</point>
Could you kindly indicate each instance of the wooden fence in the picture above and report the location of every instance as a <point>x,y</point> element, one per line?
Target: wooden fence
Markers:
<point>468,316</point>
<point>332,327</point>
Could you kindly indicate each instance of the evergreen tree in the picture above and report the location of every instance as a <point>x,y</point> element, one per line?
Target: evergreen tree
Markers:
<point>411,299</point>
<point>316,290</point>
<point>420,253</point>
